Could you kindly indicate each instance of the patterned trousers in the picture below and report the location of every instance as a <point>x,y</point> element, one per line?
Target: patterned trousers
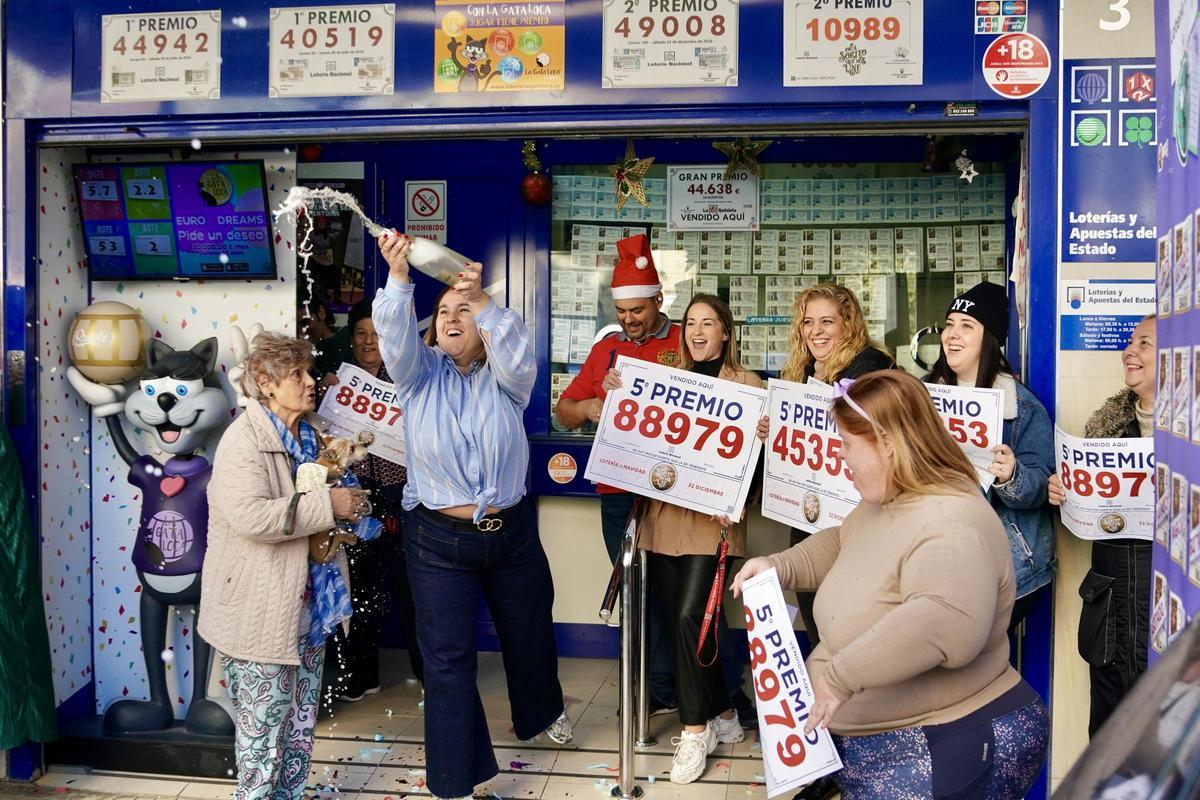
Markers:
<point>899,765</point>
<point>275,710</point>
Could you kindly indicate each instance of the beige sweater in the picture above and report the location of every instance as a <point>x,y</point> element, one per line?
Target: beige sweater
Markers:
<point>256,570</point>
<point>913,604</point>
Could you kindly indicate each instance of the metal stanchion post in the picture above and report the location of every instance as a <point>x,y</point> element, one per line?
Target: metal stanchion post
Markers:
<point>625,788</point>
<point>644,739</point>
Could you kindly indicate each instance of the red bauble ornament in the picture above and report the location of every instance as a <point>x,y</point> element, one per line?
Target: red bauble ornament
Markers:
<point>536,188</point>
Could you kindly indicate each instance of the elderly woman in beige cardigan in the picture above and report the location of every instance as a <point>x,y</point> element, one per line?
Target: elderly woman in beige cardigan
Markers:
<point>255,604</point>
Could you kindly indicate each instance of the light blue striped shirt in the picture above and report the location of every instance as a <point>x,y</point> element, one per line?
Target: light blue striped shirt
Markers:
<point>464,434</point>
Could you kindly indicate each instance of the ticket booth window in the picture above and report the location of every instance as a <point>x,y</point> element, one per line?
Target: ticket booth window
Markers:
<point>905,241</point>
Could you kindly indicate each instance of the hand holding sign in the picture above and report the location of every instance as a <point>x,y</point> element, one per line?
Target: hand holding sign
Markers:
<point>358,401</point>
<point>1106,486</point>
<point>796,747</point>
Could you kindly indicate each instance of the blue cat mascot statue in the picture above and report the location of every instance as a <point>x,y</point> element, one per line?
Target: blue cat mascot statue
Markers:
<point>178,402</point>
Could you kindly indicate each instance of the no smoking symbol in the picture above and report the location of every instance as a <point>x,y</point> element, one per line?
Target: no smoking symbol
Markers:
<point>426,202</point>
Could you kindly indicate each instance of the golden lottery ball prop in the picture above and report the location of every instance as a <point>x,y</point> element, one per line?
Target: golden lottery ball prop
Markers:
<point>107,342</point>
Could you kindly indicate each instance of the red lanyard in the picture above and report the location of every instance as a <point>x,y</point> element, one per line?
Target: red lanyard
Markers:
<point>713,608</point>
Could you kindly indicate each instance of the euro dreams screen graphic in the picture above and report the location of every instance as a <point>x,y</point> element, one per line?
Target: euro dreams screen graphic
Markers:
<point>176,221</point>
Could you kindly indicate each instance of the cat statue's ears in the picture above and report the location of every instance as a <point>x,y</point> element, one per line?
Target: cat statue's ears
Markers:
<point>206,352</point>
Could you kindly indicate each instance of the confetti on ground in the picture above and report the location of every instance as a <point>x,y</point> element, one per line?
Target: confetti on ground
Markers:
<point>598,766</point>
<point>521,764</point>
<point>760,778</point>
<point>723,764</point>
<point>379,737</point>
<point>651,778</point>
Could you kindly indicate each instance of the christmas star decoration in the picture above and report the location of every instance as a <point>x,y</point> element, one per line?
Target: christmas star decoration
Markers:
<point>627,175</point>
<point>742,154</point>
<point>966,168</point>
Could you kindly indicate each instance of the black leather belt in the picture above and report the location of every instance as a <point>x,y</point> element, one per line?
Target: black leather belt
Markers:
<point>492,523</point>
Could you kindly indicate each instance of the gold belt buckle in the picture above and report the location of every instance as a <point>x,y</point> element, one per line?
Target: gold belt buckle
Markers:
<point>490,524</point>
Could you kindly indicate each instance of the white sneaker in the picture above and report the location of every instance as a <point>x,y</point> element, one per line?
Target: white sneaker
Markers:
<point>729,731</point>
<point>560,730</point>
<point>691,753</point>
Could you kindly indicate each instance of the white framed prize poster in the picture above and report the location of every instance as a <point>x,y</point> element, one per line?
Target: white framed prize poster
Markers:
<point>826,43</point>
<point>651,44</point>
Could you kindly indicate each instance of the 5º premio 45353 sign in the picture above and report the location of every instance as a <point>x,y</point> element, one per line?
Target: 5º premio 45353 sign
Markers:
<point>653,43</point>
<point>167,56</point>
<point>829,43</point>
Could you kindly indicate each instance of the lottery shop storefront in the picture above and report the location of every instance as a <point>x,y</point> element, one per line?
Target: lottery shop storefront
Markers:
<point>885,151</point>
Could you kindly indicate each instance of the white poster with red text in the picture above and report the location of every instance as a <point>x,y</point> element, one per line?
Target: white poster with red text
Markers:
<point>1109,485</point>
<point>806,483</point>
<point>679,437</point>
<point>975,420</point>
<point>359,401</point>
<point>783,693</point>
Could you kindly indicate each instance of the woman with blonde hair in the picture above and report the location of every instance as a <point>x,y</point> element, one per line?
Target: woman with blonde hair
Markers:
<point>914,593</point>
<point>829,337</point>
<point>682,545</point>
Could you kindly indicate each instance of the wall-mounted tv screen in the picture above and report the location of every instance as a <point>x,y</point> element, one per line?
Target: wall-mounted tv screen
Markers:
<point>176,221</point>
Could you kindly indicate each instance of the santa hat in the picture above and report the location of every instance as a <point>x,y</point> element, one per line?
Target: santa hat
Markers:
<point>634,275</point>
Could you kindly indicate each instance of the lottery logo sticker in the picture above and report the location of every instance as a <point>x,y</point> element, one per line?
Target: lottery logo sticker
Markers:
<point>1016,65</point>
<point>663,477</point>
<point>562,468</point>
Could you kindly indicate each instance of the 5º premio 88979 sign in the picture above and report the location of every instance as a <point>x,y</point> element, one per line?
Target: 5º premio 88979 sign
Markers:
<point>678,436</point>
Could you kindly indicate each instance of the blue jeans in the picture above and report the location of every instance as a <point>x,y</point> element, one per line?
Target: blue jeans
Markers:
<point>448,568</point>
<point>614,516</point>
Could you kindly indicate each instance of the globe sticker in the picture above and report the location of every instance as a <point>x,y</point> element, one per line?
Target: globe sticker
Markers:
<point>1091,86</point>
<point>812,507</point>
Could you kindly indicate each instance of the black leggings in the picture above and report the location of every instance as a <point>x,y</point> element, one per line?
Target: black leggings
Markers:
<point>683,584</point>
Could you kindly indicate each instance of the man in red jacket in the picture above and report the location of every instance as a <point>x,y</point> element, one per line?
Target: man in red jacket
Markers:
<point>647,334</point>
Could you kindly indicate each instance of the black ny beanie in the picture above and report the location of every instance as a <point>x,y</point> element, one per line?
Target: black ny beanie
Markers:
<point>987,303</point>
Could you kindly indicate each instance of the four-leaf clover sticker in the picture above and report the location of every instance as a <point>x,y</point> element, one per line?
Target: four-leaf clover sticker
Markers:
<point>1139,130</point>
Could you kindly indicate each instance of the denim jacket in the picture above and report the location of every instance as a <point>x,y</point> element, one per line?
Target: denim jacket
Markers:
<point>1021,502</point>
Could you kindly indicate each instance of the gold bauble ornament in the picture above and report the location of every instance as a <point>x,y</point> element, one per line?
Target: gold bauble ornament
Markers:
<point>107,342</point>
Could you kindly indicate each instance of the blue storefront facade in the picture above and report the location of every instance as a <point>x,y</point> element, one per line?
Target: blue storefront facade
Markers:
<point>875,139</point>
